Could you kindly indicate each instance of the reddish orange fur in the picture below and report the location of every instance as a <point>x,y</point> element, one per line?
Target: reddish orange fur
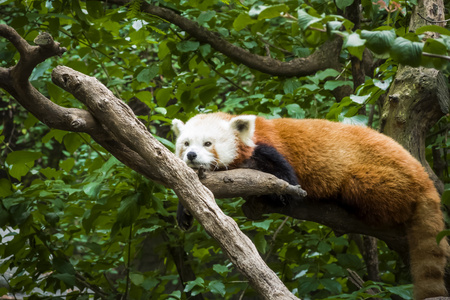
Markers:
<point>364,169</point>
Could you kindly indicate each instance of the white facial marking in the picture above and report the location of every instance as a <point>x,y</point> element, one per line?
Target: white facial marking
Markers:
<point>209,141</point>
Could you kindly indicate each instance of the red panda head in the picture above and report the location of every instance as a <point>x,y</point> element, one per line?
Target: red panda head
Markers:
<point>213,141</point>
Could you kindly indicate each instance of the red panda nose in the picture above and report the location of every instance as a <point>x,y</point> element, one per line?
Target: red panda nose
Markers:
<point>191,155</point>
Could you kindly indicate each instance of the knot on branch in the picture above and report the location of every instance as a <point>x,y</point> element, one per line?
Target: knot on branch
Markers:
<point>45,41</point>
<point>78,123</point>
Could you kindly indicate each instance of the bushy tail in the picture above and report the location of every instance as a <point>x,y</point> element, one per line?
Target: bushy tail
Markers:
<point>428,259</point>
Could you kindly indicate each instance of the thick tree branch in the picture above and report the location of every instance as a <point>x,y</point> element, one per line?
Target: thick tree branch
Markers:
<point>119,118</point>
<point>117,130</point>
<point>417,94</point>
<point>245,182</point>
<point>114,121</point>
<point>326,56</point>
<point>15,81</point>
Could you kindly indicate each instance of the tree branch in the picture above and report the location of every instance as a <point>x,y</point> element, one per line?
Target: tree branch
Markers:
<point>174,173</point>
<point>117,129</point>
<point>245,182</point>
<point>326,56</point>
<point>113,125</point>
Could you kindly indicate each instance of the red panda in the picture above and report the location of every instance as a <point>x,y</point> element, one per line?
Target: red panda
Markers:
<point>358,167</point>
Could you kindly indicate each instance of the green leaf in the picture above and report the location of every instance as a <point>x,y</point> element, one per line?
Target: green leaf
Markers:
<point>95,9</point>
<point>295,111</point>
<point>406,52</point>
<point>146,97</point>
<point>67,164</point>
<point>4,216</point>
<point>5,188</point>
<point>22,157</point>
<point>221,269</point>
<point>335,270</point>
<point>150,283</point>
<point>404,291</point>
<point>263,224</point>
<point>307,285</point>
<point>383,84</point>
<point>20,162</point>
<point>433,46</point>
<point>137,278</point>
<point>128,211</point>
<point>355,45</point>
<point>333,84</point>
<point>92,189</point>
<point>63,266</point>
<point>205,16</point>
<point>323,247</point>
<point>446,197</point>
<point>57,134</point>
<point>433,28</point>
<point>349,261</point>
<point>331,285</point>
<point>217,287</point>
<point>380,42</point>
<point>68,279</point>
<point>260,242</point>
<point>273,11</point>
<point>322,75</point>
<point>333,26</point>
<point>359,99</point>
<point>163,96</point>
<point>342,4</point>
<point>51,173</point>
<point>242,21</point>
<point>442,234</point>
<point>30,121</point>
<point>147,74</point>
<point>290,85</point>
<point>191,284</point>
<point>188,46</point>
<point>305,19</point>
<point>72,141</point>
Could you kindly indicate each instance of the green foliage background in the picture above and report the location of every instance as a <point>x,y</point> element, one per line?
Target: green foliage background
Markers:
<point>79,222</point>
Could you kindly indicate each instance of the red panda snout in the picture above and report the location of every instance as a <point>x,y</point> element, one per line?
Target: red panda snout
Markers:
<point>197,156</point>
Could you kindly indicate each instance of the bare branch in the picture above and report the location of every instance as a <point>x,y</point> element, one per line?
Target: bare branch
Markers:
<point>327,56</point>
<point>174,173</point>
<point>117,129</point>
<point>245,182</point>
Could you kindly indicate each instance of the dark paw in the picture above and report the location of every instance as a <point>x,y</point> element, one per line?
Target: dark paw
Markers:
<point>184,218</point>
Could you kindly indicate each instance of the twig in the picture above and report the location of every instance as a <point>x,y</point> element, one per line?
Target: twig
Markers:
<point>436,55</point>
<point>431,21</point>
<point>274,237</point>
<point>276,47</point>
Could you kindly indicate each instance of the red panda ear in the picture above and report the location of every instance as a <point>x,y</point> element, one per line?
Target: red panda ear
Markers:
<point>177,126</point>
<point>245,127</point>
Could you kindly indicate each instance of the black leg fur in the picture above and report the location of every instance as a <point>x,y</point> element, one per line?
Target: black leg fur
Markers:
<point>267,159</point>
<point>184,218</point>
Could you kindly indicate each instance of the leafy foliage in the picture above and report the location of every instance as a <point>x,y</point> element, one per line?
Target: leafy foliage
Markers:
<point>76,221</point>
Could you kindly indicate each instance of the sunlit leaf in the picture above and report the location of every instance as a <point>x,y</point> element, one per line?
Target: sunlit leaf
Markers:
<point>273,11</point>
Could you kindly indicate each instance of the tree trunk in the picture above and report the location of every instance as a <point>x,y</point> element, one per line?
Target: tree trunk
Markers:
<point>418,97</point>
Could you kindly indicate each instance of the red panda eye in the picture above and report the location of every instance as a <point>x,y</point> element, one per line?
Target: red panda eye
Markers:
<point>207,144</point>
<point>186,144</point>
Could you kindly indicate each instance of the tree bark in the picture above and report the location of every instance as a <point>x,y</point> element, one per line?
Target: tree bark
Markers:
<point>117,129</point>
<point>326,56</point>
<point>418,97</point>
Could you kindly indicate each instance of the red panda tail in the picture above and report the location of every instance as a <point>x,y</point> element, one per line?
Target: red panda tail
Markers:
<point>428,259</point>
